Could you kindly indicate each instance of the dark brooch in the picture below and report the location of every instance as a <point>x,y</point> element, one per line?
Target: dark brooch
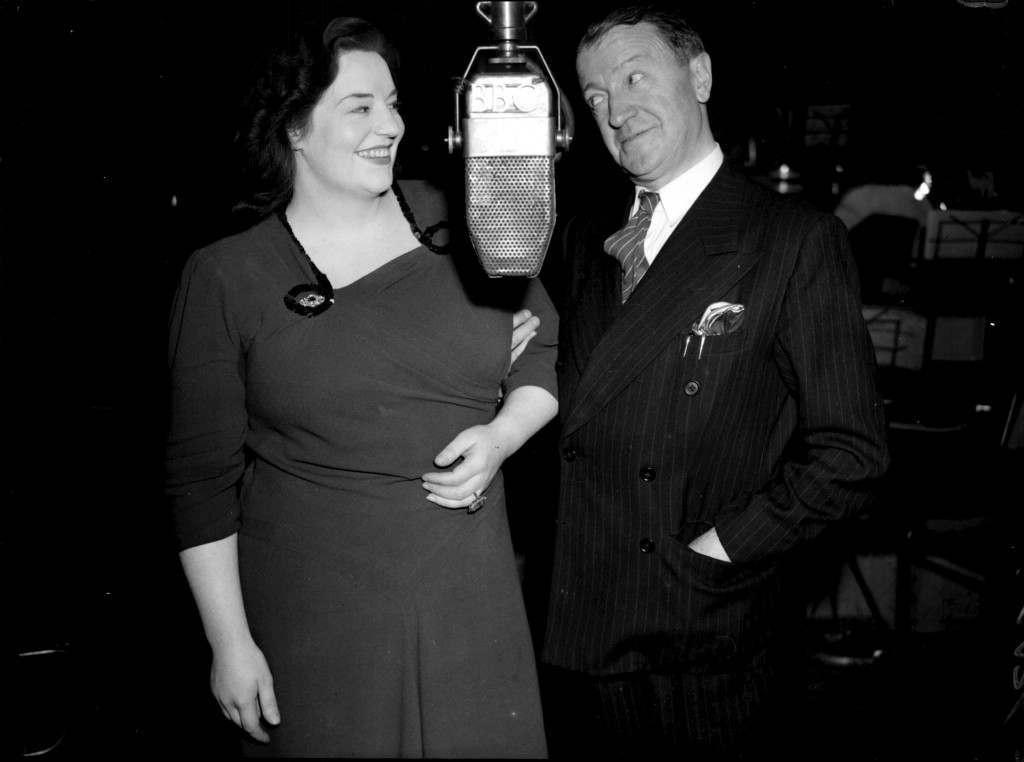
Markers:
<point>308,299</point>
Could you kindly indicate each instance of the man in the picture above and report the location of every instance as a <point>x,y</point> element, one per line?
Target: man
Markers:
<point>719,412</point>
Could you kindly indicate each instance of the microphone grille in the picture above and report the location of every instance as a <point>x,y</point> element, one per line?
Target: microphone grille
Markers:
<point>510,211</point>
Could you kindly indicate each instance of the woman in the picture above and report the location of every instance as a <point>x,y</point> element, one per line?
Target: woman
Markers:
<point>336,430</point>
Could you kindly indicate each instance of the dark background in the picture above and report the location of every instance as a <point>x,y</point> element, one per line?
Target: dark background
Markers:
<point>116,163</point>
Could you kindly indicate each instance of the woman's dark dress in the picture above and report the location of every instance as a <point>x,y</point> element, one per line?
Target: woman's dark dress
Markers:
<point>392,627</point>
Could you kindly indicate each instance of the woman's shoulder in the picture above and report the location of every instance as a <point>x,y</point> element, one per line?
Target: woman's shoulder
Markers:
<point>245,258</point>
<point>256,241</point>
<point>428,206</point>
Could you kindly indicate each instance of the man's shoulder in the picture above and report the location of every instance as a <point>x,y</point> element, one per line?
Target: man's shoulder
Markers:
<point>767,206</point>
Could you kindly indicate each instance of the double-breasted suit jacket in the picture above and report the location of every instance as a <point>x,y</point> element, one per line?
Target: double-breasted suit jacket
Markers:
<point>769,433</point>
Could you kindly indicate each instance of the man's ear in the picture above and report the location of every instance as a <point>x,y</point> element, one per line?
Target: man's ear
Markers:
<point>700,74</point>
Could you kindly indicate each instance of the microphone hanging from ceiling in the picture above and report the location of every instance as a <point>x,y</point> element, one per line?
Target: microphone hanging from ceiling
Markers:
<point>511,122</point>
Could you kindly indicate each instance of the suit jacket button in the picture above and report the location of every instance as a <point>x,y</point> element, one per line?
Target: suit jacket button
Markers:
<point>691,388</point>
<point>647,474</point>
<point>569,453</point>
<point>646,545</point>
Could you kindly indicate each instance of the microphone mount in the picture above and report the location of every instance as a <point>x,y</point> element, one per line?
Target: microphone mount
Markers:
<point>508,22</point>
<point>508,19</point>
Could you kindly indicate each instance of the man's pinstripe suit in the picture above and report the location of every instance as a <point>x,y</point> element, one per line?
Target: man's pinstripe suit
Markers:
<point>768,434</point>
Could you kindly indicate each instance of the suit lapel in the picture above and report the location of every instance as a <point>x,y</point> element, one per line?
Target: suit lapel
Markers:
<point>698,263</point>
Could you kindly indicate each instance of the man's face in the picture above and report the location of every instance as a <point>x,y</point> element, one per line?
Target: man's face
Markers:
<point>649,105</point>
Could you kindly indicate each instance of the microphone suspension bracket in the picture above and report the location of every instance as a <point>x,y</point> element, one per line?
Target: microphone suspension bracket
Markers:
<point>507,19</point>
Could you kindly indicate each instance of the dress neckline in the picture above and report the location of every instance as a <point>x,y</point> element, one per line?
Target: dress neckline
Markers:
<point>383,271</point>
<point>311,299</point>
<point>367,277</point>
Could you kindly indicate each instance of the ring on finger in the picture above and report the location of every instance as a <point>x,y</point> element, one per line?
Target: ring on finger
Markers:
<point>478,502</point>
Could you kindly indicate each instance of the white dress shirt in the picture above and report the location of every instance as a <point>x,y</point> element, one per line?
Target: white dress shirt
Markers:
<point>675,200</point>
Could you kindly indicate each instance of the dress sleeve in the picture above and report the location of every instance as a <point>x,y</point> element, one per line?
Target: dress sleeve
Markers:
<point>204,454</point>
<point>536,365</point>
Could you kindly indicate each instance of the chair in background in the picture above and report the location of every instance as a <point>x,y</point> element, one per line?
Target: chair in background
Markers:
<point>938,487</point>
<point>42,692</point>
<point>857,632</point>
<point>886,224</point>
<point>959,535</point>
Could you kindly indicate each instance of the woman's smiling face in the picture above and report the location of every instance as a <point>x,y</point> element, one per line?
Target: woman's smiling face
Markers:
<point>349,144</point>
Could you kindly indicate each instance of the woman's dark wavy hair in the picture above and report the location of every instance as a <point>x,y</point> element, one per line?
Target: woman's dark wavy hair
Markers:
<point>674,29</point>
<point>282,100</point>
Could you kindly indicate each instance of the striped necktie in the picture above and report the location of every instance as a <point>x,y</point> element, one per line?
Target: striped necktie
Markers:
<point>627,245</point>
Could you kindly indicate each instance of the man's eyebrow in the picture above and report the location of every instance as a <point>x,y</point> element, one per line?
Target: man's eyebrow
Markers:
<point>633,58</point>
<point>630,60</point>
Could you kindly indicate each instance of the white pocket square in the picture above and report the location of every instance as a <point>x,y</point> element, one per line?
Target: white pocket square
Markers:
<point>719,318</point>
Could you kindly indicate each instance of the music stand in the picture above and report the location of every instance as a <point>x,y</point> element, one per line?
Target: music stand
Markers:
<point>973,234</point>
<point>968,259</point>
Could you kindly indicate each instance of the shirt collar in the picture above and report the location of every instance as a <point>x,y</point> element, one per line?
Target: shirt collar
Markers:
<point>677,196</point>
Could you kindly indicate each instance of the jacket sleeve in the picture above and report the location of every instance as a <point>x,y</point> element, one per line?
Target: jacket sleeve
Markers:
<point>838,453</point>
<point>204,454</point>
